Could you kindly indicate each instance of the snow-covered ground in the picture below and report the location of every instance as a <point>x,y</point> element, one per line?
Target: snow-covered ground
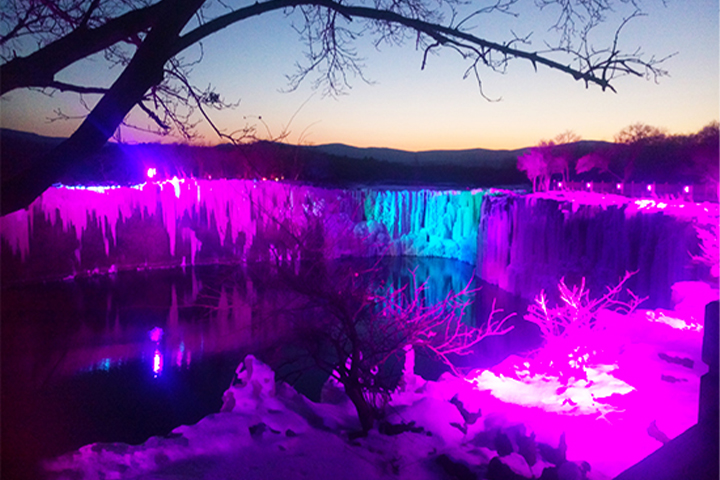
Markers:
<point>267,430</point>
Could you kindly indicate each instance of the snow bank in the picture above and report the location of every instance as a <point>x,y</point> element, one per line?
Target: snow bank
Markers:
<point>266,430</point>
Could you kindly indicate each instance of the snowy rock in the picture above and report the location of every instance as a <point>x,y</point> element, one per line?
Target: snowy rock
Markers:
<point>517,464</point>
<point>689,299</point>
<point>333,392</point>
<point>254,383</point>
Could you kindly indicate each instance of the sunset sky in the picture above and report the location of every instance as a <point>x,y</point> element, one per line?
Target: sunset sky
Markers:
<point>413,109</point>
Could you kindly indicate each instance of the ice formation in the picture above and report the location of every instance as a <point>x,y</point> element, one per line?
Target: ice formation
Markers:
<point>522,243</point>
<point>528,242</point>
<point>180,220</point>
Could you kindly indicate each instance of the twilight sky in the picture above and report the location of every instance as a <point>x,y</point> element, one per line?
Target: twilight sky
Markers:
<point>413,109</point>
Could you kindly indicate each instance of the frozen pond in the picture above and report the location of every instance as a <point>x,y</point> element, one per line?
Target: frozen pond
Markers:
<point>120,358</point>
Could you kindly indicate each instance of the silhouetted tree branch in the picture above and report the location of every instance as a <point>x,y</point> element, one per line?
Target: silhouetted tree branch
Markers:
<point>145,39</point>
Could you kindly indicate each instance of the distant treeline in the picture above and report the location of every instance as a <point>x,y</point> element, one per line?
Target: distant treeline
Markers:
<point>643,157</point>
<point>641,153</point>
<point>128,164</point>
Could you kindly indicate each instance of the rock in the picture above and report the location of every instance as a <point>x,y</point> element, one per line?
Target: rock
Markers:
<point>570,471</point>
<point>497,470</point>
<point>671,379</point>
<point>573,471</point>
<point>387,428</point>
<point>469,417</point>
<point>503,445</point>
<point>527,448</point>
<point>656,433</point>
<point>685,362</point>
<point>461,427</point>
<point>456,469</point>
<point>549,473</point>
<point>257,429</point>
<point>556,456</point>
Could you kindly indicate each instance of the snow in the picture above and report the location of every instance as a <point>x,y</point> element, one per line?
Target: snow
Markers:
<point>267,430</point>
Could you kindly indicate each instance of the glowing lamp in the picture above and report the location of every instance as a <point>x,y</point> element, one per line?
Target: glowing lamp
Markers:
<point>588,185</point>
<point>686,189</point>
<point>560,184</point>
<point>649,188</point>
<point>618,186</point>
<point>151,172</point>
<point>155,334</point>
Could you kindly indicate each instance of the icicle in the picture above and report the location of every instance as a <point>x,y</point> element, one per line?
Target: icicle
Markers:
<point>223,311</point>
<point>15,229</point>
<point>195,289</point>
<point>173,315</point>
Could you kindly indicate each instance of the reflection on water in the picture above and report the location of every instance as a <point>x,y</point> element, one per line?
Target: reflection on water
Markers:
<point>128,356</point>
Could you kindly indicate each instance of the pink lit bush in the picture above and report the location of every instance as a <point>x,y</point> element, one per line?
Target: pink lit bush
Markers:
<point>574,336</point>
<point>709,250</point>
<point>571,372</point>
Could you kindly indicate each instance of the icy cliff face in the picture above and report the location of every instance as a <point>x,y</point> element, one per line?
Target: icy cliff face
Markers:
<point>527,243</point>
<point>428,223</point>
<point>522,243</point>
<point>70,230</point>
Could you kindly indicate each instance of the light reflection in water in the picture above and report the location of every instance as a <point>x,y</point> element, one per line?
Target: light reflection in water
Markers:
<point>187,315</point>
<point>157,363</point>
<point>156,334</point>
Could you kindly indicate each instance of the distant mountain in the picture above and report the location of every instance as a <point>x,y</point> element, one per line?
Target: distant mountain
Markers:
<point>330,165</point>
<point>13,141</point>
<point>7,134</point>
<point>476,157</point>
<point>19,149</point>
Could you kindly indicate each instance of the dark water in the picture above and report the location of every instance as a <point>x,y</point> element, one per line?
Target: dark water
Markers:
<point>124,357</point>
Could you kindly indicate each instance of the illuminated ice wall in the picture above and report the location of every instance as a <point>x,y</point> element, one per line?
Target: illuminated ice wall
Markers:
<point>522,243</point>
<point>528,242</point>
<point>72,230</point>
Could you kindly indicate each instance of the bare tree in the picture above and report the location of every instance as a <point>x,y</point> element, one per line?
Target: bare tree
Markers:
<point>543,161</point>
<point>357,329</point>
<point>39,38</point>
<point>640,133</point>
<point>535,166</point>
